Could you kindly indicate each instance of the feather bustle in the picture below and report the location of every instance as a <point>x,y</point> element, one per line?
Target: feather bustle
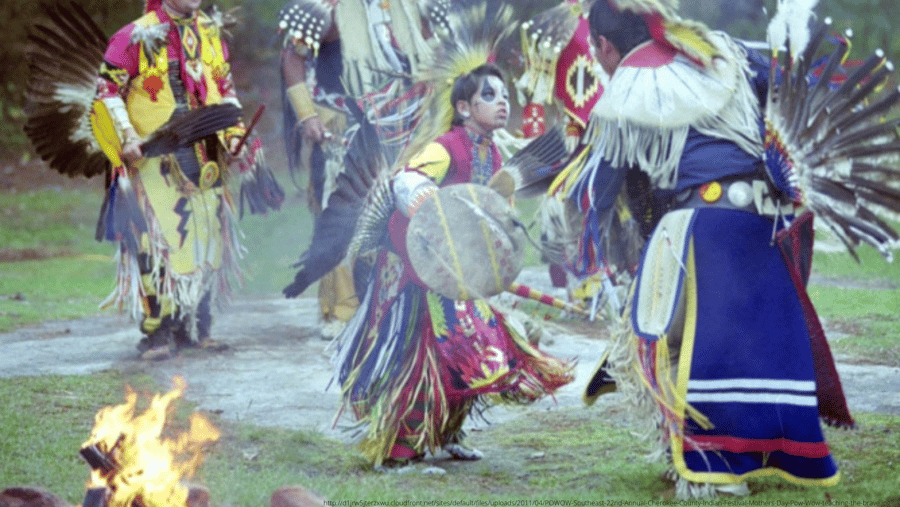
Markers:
<point>831,142</point>
<point>60,91</point>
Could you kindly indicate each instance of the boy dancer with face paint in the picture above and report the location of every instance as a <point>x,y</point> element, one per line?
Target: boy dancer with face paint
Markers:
<point>415,363</point>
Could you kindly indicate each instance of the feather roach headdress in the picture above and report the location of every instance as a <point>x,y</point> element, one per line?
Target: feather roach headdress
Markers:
<point>474,32</point>
<point>688,37</point>
<point>832,139</point>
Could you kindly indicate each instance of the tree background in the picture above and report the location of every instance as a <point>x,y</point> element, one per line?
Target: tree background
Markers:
<point>255,44</point>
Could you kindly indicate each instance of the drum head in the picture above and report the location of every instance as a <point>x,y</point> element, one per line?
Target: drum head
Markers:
<point>463,242</point>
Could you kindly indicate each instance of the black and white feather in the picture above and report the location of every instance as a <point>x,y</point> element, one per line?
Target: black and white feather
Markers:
<point>534,166</point>
<point>64,56</point>
<point>191,127</point>
<point>832,142</point>
<point>348,206</point>
<point>260,191</point>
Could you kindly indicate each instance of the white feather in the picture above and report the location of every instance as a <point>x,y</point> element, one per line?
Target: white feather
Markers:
<point>791,24</point>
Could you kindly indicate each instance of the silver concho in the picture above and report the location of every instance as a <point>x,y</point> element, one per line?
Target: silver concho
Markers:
<point>740,194</point>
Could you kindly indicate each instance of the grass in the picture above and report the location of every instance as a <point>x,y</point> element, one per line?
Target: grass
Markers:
<point>860,304</point>
<point>53,269</point>
<point>51,266</point>
<point>562,456</point>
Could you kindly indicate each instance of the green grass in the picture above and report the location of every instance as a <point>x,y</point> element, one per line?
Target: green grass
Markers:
<point>587,455</point>
<point>67,274</point>
<point>274,243</point>
<point>860,304</point>
<point>52,268</point>
<point>54,221</point>
<point>567,455</point>
<point>871,264</point>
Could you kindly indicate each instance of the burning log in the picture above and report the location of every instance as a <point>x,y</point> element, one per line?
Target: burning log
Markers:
<point>134,465</point>
<point>98,460</point>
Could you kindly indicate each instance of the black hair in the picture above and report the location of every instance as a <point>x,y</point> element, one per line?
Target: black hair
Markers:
<point>624,29</point>
<point>466,85</point>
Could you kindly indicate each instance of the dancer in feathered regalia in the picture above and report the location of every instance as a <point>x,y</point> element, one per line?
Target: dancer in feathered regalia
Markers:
<point>718,151</point>
<point>159,102</point>
<point>560,75</point>
<point>414,363</point>
<point>323,69</point>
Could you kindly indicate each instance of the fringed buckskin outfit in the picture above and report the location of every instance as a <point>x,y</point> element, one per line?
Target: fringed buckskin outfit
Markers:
<point>412,363</point>
<point>718,338</point>
<point>163,67</point>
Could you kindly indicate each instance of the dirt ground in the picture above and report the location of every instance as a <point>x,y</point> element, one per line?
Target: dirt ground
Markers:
<point>277,371</point>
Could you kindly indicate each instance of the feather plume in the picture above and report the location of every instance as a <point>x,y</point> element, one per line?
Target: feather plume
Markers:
<point>121,218</point>
<point>153,37</point>
<point>790,25</point>
<point>260,191</point>
<point>543,39</point>
<point>534,166</point>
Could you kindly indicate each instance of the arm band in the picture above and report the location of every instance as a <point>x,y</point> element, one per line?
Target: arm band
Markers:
<point>116,107</point>
<point>301,101</point>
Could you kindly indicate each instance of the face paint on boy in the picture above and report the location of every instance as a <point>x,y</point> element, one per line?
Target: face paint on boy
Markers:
<point>489,106</point>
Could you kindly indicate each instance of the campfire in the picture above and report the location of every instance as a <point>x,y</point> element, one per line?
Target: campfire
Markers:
<point>138,460</point>
<point>144,460</point>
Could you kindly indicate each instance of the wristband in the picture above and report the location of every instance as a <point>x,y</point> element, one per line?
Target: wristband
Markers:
<point>301,101</point>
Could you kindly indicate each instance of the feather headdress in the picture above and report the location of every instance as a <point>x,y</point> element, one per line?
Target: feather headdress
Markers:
<point>691,38</point>
<point>474,33</point>
<point>543,39</point>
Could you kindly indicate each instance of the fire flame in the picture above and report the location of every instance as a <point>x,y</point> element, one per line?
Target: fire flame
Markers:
<point>147,467</point>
